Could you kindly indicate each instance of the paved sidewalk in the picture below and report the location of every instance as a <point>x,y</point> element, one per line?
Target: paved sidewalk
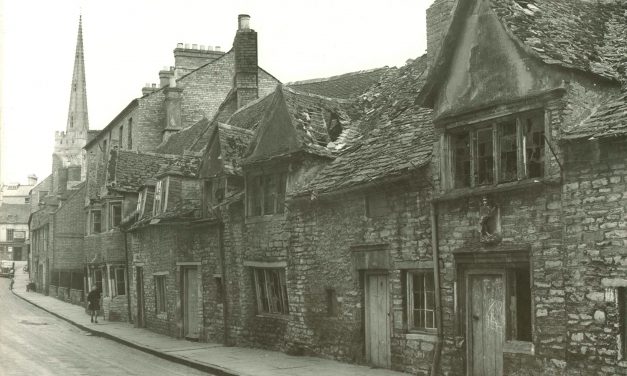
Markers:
<point>211,357</point>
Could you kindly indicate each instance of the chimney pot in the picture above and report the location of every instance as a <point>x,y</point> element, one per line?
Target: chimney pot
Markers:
<point>187,46</point>
<point>165,68</point>
<point>153,85</point>
<point>210,48</point>
<point>194,46</point>
<point>179,45</point>
<point>217,48</point>
<point>203,47</point>
<point>243,22</point>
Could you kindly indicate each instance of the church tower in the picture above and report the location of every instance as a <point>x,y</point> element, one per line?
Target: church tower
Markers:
<point>68,159</point>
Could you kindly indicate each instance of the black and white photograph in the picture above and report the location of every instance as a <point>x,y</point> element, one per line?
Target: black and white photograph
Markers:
<point>313,188</point>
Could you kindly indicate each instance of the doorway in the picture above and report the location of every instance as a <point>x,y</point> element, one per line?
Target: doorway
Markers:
<point>486,322</point>
<point>190,303</point>
<point>139,290</point>
<point>377,323</point>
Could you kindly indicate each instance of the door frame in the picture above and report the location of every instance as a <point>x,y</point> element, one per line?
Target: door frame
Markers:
<point>184,267</point>
<point>139,290</point>
<point>468,307</point>
<point>367,275</point>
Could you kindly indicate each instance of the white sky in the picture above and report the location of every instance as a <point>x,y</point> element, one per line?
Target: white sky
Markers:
<point>127,42</point>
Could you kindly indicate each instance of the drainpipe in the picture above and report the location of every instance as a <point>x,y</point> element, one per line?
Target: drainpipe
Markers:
<point>225,301</point>
<point>435,366</point>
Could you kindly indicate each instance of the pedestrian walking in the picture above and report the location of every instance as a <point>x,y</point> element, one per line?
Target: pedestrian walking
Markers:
<point>93,303</point>
<point>12,282</point>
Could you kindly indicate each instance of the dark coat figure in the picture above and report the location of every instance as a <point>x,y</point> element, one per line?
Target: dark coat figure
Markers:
<point>93,303</point>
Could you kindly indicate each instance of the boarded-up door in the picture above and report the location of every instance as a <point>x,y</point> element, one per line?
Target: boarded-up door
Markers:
<point>190,302</point>
<point>377,320</point>
<point>486,324</point>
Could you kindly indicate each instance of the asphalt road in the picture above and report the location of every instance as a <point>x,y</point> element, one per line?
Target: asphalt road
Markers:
<point>35,343</point>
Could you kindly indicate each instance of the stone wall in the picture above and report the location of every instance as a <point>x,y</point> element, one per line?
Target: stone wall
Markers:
<point>69,231</point>
<point>595,209</point>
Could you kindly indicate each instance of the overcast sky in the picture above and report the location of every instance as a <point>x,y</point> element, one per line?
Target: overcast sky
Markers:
<point>127,42</point>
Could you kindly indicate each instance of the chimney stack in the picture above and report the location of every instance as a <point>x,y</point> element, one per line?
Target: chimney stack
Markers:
<point>149,88</point>
<point>190,57</point>
<point>164,76</point>
<point>246,69</point>
<point>32,179</point>
<point>439,17</point>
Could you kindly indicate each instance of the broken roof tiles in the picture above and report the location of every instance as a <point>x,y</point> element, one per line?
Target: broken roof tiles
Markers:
<point>608,119</point>
<point>133,169</point>
<point>345,86</point>
<point>584,35</point>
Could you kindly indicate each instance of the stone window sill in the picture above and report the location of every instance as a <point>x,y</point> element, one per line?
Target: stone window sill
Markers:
<point>426,336</point>
<point>519,347</point>
<point>502,187</point>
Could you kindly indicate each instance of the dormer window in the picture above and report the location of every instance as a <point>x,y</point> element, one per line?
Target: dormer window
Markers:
<point>265,194</point>
<point>115,214</point>
<point>161,196</point>
<point>497,151</point>
<point>213,194</point>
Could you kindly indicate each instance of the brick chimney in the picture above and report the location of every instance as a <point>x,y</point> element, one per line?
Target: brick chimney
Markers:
<point>190,57</point>
<point>439,16</point>
<point>149,88</point>
<point>173,118</point>
<point>245,48</point>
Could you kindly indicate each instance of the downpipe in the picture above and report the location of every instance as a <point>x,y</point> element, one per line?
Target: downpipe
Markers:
<point>437,353</point>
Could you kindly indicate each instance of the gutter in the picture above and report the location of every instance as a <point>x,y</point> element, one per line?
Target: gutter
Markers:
<point>437,354</point>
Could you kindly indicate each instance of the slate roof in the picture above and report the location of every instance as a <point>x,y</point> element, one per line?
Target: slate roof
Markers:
<point>180,165</point>
<point>608,119</point>
<point>397,134</point>
<point>249,116</point>
<point>310,116</point>
<point>14,213</point>
<point>133,168</point>
<point>183,140</point>
<point>589,36</point>
<point>345,86</point>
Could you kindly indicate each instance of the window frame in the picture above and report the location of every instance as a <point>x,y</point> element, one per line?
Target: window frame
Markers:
<point>112,216</point>
<point>92,222</point>
<point>257,194</point>
<point>265,304</point>
<point>160,198</point>
<point>129,140</point>
<point>526,124</point>
<point>10,234</point>
<point>409,296</point>
<point>117,272</point>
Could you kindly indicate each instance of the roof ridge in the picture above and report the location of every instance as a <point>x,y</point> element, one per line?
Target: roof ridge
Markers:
<point>235,128</point>
<point>330,78</point>
<point>312,95</point>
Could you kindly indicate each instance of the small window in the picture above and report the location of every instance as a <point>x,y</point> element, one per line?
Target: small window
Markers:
<point>118,280</point>
<point>121,136</point>
<point>10,235</point>
<point>159,293</point>
<point>271,291</point>
<point>419,300</point>
<point>115,214</point>
<point>519,290</point>
<point>95,222</point>
<point>376,204</point>
<point>27,200</point>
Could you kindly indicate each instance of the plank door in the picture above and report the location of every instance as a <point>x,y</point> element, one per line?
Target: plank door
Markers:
<point>140,297</point>
<point>486,324</point>
<point>190,297</point>
<point>377,320</point>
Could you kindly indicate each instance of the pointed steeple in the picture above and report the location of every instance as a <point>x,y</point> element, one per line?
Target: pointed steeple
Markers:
<point>77,119</point>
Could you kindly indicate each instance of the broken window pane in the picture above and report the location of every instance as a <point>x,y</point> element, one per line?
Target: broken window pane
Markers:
<point>461,147</point>
<point>485,157</point>
<point>534,146</point>
<point>509,151</point>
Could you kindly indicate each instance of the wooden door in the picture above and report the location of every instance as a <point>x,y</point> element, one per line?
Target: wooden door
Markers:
<point>486,324</point>
<point>190,303</point>
<point>377,320</point>
<point>140,296</point>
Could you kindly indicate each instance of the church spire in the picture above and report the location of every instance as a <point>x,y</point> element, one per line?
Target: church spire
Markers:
<point>77,120</point>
